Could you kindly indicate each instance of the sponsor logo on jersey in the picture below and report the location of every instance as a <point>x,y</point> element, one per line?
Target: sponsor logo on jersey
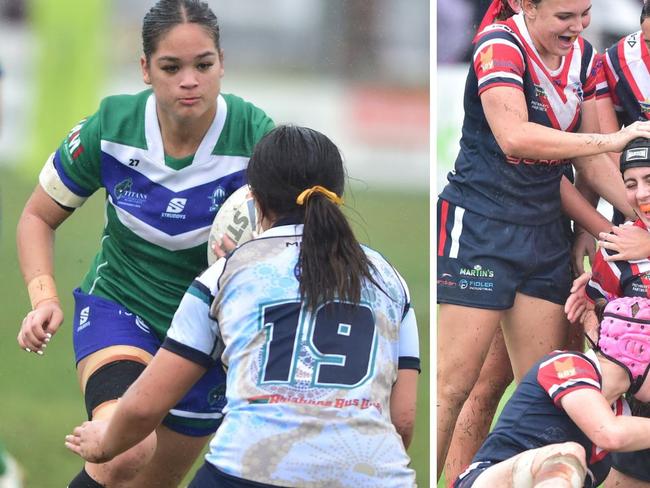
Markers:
<point>217,198</point>
<point>577,90</point>
<point>539,91</point>
<point>639,288</point>
<point>631,40</point>
<point>486,59</point>
<point>537,105</point>
<point>84,319</point>
<point>564,369</point>
<point>126,196</point>
<point>360,403</point>
<point>175,209</point>
<point>73,141</point>
<point>542,162</point>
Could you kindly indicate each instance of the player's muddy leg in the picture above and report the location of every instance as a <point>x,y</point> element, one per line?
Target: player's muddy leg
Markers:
<point>476,416</point>
<point>532,328</point>
<point>464,337</point>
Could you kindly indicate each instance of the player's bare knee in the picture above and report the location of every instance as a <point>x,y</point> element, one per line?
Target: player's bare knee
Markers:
<point>455,387</point>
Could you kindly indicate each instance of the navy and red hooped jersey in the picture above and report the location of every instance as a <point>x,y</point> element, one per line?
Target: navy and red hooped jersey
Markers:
<point>489,182</point>
<point>619,278</point>
<point>533,417</point>
<point>627,72</point>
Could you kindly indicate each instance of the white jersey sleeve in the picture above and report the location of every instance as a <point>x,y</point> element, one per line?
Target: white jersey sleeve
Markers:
<point>409,344</point>
<point>194,334</point>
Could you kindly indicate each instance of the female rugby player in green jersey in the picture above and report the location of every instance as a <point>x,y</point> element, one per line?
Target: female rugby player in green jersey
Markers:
<point>317,332</point>
<point>167,158</point>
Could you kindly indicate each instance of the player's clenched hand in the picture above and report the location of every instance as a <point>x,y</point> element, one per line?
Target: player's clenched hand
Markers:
<point>39,326</point>
<point>86,441</point>
<point>577,303</point>
<point>629,243</point>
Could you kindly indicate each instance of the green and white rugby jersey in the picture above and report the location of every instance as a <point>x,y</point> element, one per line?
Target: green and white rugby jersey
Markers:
<point>158,214</point>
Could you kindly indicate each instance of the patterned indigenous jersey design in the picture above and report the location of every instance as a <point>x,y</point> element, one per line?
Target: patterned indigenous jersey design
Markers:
<point>626,71</point>
<point>489,182</point>
<point>533,417</point>
<point>619,278</point>
<point>308,393</point>
<point>157,217</point>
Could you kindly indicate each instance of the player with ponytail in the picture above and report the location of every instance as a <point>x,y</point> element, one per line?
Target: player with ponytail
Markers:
<point>165,159</point>
<point>317,334</point>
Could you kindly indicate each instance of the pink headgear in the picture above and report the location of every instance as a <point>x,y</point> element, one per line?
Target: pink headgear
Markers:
<point>625,337</point>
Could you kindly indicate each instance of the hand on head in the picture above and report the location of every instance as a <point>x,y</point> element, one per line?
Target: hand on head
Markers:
<point>629,243</point>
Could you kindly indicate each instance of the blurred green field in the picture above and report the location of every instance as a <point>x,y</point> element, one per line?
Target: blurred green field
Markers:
<point>40,400</point>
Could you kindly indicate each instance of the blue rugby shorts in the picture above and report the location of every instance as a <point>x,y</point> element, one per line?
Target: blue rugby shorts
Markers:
<point>99,323</point>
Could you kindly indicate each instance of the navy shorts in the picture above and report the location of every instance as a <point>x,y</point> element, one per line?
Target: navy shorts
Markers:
<point>634,464</point>
<point>100,323</point>
<point>468,477</point>
<point>483,263</point>
<point>211,477</point>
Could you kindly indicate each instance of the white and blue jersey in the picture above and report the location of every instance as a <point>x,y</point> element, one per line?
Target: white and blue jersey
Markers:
<point>496,185</point>
<point>308,393</point>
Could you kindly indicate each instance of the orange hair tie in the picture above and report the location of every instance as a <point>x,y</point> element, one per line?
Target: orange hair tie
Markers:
<point>330,195</point>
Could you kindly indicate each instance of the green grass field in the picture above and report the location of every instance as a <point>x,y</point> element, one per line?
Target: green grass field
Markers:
<point>41,401</point>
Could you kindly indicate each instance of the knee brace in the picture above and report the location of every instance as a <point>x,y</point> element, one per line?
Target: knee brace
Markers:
<point>110,382</point>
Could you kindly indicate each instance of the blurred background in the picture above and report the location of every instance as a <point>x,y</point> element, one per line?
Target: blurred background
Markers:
<point>456,25</point>
<point>357,70</point>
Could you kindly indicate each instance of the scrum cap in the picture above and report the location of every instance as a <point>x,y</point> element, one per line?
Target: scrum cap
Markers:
<point>625,337</point>
<point>635,154</point>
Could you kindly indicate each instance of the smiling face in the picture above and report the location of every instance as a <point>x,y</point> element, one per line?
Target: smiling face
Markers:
<point>555,24</point>
<point>637,191</point>
<point>185,73</point>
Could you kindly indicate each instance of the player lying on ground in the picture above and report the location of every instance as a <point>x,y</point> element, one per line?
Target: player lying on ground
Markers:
<point>546,435</point>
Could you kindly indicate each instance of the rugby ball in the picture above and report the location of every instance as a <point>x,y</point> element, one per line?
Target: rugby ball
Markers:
<point>236,218</point>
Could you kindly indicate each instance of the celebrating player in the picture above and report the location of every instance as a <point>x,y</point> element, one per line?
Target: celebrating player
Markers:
<point>167,158</point>
<point>316,331</point>
<point>546,437</point>
<point>502,253</point>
